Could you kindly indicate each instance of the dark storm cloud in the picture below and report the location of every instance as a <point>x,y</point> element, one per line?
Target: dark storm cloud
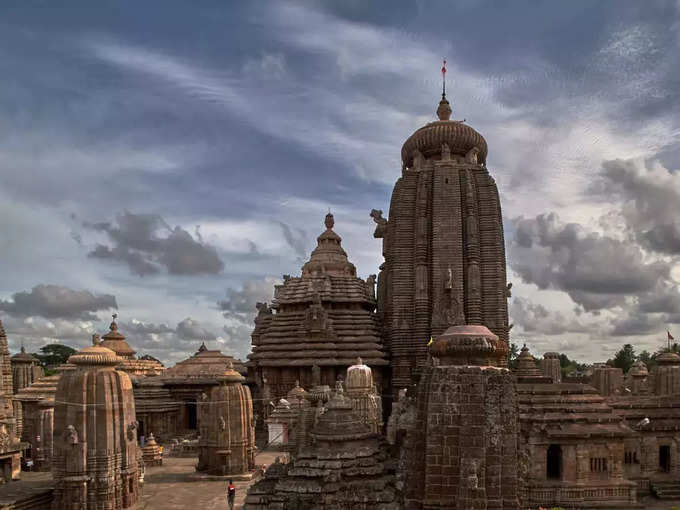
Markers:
<point>537,319</point>
<point>597,271</point>
<point>190,329</point>
<point>636,324</point>
<point>145,242</point>
<point>243,300</point>
<point>296,239</point>
<point>649,195</point>
<point>54,301</point>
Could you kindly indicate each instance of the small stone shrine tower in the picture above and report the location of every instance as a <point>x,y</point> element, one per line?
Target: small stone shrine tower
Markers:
<point>25,369</point>
<point>462,450</point>
<point>95,435</point>
<point>345,467</point>
<point>10,448</point>
<point>227,443</point>
<point>115,341</point>
<point>362,393</point>
<point>443,245</point>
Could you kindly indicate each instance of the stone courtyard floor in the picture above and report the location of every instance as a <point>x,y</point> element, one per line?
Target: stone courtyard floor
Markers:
<point>174,485</point>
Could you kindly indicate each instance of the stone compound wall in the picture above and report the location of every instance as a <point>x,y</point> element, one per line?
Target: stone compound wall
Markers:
<point>462,450</point>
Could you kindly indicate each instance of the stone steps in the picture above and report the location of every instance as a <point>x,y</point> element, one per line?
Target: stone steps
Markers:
<point>666,490</point>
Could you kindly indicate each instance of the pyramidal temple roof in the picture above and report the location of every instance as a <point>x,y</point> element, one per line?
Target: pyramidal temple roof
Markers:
<point>115,341</point>
<point>328,258</point>
<point>325,317</point>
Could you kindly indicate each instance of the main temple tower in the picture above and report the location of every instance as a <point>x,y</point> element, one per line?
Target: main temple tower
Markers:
<point>443,244</point>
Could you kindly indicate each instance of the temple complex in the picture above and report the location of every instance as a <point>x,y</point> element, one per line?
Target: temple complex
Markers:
<point>226,445</point>
<point>324,318</point>
<point>395,399</point>
<point>25,369</point>
<point>95,458</point>
<point>443,244</point>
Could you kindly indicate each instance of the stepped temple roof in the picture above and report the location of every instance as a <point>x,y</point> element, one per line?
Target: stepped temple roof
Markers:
<point>115,341</point>
<point>324,317</point>
<point>24,357</point>
<point>569,410</point>
<point>204,364</point>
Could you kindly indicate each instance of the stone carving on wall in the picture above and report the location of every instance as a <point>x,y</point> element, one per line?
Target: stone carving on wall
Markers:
<point>370,282</point>
<point>469,475</point>
<point>132,430</point>
<point>446,152</point>
<point>381,223</point>
<point>317,321</point>
<point>5,438</point>
<point>70,435</point>
<point>223,424</point>
<point>471,156</point>
<point>263,309</point>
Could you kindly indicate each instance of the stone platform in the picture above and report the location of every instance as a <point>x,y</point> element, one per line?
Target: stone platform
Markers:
<point>175,485</point>
<point>33,491</point>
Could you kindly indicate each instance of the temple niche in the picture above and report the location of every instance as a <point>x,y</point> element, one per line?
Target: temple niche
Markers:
<point>443,245</point>
<point>95,449</point>
<point>226,445</point>
<point>324,318</point>
<point>25,369</point>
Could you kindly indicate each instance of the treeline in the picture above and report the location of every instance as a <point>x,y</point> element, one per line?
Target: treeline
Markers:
<point>624,358</point>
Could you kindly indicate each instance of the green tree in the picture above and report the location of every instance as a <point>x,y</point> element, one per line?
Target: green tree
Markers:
<point>53,355</point>
<point>648,358</point>
<point>513,359</point>
<point>625,358</point>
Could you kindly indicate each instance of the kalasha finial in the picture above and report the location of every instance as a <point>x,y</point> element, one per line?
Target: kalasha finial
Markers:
<point>329,220</point>
<point>444,109</point>
<point>114,326</point>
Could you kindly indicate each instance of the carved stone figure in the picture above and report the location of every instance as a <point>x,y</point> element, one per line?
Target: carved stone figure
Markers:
<point>471,155</point>
<point>71,435</point>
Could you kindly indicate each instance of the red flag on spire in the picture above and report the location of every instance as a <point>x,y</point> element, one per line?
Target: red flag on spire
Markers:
<point>444,67</point>
<point>670,337</point>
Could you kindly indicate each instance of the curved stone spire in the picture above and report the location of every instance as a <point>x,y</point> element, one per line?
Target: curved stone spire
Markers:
<point>328,258</point>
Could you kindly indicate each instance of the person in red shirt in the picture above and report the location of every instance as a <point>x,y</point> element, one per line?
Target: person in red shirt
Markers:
<point>231,495</point>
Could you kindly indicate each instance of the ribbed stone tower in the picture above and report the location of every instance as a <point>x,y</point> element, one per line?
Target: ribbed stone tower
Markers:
<point>443,244</point>
<point>95,435</point>
<point>25,369</point>
<point>227,442</point>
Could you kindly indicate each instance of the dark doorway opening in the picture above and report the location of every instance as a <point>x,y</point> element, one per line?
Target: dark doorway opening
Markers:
<point>140,432</point>
<point>665,458</point>
<point>554,462</point>
<point>191,415</point>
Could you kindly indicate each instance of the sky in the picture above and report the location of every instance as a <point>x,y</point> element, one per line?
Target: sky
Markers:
<point>170,160</point>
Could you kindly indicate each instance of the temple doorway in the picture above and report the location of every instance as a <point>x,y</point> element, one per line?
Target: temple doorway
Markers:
<point>191,415</point>
<point>665,458</point>
<point>554,462</point>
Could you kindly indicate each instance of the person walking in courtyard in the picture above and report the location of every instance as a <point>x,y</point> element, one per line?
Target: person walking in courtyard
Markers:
<point>231,495</point>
